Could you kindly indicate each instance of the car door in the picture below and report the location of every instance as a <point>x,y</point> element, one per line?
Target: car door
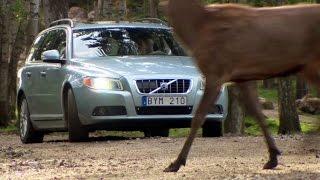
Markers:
<point>31,78</point>
<point>41,104</point>
<point>52,78</point>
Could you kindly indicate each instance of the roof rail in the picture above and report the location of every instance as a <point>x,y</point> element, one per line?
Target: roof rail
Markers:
<point>152,20</point>
<point>62,21</point>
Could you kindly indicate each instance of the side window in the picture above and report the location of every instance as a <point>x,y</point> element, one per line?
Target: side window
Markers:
<point>55,39</point>
<point>61,42</point>
<point>35,47</point>
<point>46,45</point>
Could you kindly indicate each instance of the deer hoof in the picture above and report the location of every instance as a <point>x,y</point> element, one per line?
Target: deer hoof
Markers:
<point>270,164</point>
<point>273,162</point>
<point>172,168</point>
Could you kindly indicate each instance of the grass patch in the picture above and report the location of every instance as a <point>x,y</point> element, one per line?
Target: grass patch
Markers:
<point>9,129</point>
<point>308,128</point>
<point>309,123</point>
<point>269,94</point>
<point>253,129</point>
<point>182,132</point>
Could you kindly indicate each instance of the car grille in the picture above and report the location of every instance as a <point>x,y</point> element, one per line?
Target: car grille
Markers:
<point>149,85</point>
<point>164,110</point>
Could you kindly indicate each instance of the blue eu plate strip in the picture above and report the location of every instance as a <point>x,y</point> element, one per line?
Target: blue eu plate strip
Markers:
<point>144,101</point>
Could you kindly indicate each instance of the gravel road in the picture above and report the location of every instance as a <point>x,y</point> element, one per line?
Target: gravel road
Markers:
<point>139,158</point>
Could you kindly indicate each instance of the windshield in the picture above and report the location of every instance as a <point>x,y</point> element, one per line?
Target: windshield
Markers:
<point>103,42</point>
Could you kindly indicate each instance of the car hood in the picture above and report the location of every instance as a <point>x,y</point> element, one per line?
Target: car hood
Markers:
<point>142,65</point>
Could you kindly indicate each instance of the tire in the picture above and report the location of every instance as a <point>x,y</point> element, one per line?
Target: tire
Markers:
<point>27,133</point>
<point>159,132</point>
<point>212,129</point>
<point>77,133</point>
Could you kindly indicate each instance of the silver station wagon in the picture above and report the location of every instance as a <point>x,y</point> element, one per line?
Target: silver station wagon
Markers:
<point>81,77</point>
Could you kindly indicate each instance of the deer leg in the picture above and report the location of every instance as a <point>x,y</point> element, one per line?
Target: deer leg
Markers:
<point>211,93</point>
<point>250,98</point>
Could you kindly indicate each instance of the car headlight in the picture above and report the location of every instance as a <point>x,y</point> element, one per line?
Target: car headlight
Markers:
<point>102,83</point>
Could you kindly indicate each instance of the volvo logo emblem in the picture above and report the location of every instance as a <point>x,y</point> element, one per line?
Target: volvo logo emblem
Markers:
<point>164,86</point>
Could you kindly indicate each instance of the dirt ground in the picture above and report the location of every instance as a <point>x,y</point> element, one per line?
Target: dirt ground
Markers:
<point>140,158</point>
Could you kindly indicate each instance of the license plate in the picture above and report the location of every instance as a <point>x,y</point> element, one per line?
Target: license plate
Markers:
<point>164,101</point>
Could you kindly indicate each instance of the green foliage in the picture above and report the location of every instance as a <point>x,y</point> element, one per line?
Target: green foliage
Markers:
<point>182,132</point>
<point>269,94</point>
<point>259,3</point>
<point>253,129</point>
<point>310,123</point>
<point>9,129</point>
<point>307,127</point>
<point>313,91</point>
<point>19,10</point>
<point>136,9</point>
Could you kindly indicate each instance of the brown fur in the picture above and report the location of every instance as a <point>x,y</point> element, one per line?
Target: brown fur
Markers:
<point>77,13</point>
<point>236,43</point>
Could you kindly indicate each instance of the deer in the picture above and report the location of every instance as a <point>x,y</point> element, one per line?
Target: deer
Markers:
<point>242,44</point>
<point>77,13</point>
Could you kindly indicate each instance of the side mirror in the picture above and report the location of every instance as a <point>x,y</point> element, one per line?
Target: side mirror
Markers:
<point>51,56</point>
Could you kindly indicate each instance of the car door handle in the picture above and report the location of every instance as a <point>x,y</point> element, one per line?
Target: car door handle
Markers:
<point>43,74</point>
<point>28,74</point>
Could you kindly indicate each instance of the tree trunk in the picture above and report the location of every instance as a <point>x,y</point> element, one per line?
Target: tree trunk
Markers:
<point>269,83</point>
<point>4,114</point>
<point>234,122</point>
<point>122,10</point>
<point>19,47</point>
<point>8,35</point>
<point>301,88</point>
<point>98,9</point>
<point>54,10</point>
<point>2,27</point>
<point>288,116</point>
<point>145,7</point>
<point>112,10</point>
<point>107,10</point>
<point>33,26</point>
<point>153,8</point>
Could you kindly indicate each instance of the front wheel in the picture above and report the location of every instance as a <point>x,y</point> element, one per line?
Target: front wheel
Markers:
<point>212,129</point>
<point>77,133</point>
<point>27,133</point>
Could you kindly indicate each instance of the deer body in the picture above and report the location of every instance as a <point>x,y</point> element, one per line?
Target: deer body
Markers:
<point>239,44</point>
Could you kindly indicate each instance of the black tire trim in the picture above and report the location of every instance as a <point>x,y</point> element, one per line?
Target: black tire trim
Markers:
<point>77,133</point>
<point>212,129</point>
<point>32,136</point>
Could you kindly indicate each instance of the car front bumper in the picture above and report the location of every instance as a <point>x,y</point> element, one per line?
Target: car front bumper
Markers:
<point>88,99</point>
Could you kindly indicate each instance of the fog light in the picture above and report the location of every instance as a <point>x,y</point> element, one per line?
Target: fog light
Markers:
<point>109,111</point>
